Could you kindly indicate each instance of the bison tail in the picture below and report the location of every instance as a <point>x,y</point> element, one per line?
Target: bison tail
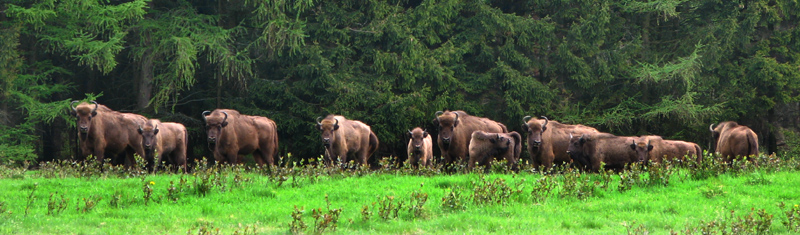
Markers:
<point>373,144</point>
<point>753,142</point>
<point>699,153</point>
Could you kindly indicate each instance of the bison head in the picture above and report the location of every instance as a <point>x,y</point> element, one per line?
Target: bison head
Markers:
<point>84,112</point>
<point>576,149</point>
<point>642,149</point>
<point>446,121</point>
<point>417,137</point>
<point>149,132</point>
<point>328,126</point>
<point>535,129</point>
<point>214,123</point>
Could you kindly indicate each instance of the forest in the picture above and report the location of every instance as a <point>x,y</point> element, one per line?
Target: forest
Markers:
<point>628,67</point>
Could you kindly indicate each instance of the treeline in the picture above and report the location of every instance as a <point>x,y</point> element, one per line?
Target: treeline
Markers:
<point>664,67</point>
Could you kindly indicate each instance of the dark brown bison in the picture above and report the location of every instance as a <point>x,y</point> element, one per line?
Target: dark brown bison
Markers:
<point>485,147</point>
<point>231,134</point>
<point>104,131</point>
<point>590,150</point>
<point>343,137</point>
<point>420,147</point>
<point>455,132</point>
<point>656,149</point>
<point>732,140</point>
<point>165,139</point>
<point>548,140</point>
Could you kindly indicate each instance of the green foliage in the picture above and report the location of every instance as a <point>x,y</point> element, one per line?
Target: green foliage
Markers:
<point>665,67</point>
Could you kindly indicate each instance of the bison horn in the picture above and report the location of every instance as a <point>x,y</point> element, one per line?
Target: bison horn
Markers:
<point>409,132</point>
<point>205,114</point>
<point>156,128</point>
<point>318,120</point>
<point>456,116</point>
<point>711,128</point>
<point>438,113</point>
<point>73,107</point>
<point>525,119</point>
<point>648,142</point>
<point>226,117</point>
<point>95,106</point>
<point>545,122</point>
<point>337,122</point>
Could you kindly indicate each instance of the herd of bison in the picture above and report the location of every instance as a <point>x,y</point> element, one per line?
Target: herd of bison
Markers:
<point>462,137</point>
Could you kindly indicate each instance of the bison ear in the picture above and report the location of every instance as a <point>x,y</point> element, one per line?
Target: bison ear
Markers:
<point>493,140</point>
<point>139,130</point>
<point>633,146</point>
<point>524,127</point>
<point>319,126</point>
<point>336,127</point>
<point>455,124</point>
<point>94,113</point>
<point>544,128</point>
<point>155,131</point>
<point>224,124</point>
<point>425,134</point>
<point>435,122</point>
<point>649,147</point>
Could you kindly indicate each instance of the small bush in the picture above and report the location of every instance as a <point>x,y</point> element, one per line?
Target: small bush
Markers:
<point>297,225</point>
<point>453,201</point>
<point>56,206</point>
<point>792,217</point>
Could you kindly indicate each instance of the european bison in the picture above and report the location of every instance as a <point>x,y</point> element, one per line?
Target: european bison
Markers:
<point>455,132</point>
<point>420,147</point>
<point>104,131</point>
<point>590,150</point>
<point>343,137</point>
<point>656,149</point>
<point>483,147</point>
<point>231,134</point>
<point>548,140</point>
<point>732,139</point>
<point>165,139</point>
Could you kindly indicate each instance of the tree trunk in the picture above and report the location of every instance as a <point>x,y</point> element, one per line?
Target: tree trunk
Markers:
<point>145,82</point>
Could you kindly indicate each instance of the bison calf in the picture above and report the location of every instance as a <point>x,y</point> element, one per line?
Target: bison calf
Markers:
<point>420,147</point>
<point>231,134</point>
<point>342,137</point>
<point>165,139</point>
<point>732,140</point>
<point>484,147</point>
<point>656,149</point>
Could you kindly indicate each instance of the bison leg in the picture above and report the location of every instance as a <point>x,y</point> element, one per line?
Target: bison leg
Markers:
<point>268,154</point>
<point>259,156</point>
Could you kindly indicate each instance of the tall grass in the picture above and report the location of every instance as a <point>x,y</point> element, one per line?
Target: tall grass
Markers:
<point>73,198</point>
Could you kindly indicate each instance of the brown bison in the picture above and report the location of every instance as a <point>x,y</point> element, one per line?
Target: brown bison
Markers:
<point>455,132</point>
<point>104,131</point>
<point>165,139</point>
<point>484,147</point>
<point>548,140</point>
<point>732,139</point>
<point>343,137</point>
<point>590,150</point>
<point>656,149</point>
<point>231,134</point>
<point>420,147</point>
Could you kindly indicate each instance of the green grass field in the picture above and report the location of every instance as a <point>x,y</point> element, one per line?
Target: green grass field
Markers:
<point>401,201</point>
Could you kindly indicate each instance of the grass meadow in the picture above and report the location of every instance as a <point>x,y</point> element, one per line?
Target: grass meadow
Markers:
<point>759,197</point>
